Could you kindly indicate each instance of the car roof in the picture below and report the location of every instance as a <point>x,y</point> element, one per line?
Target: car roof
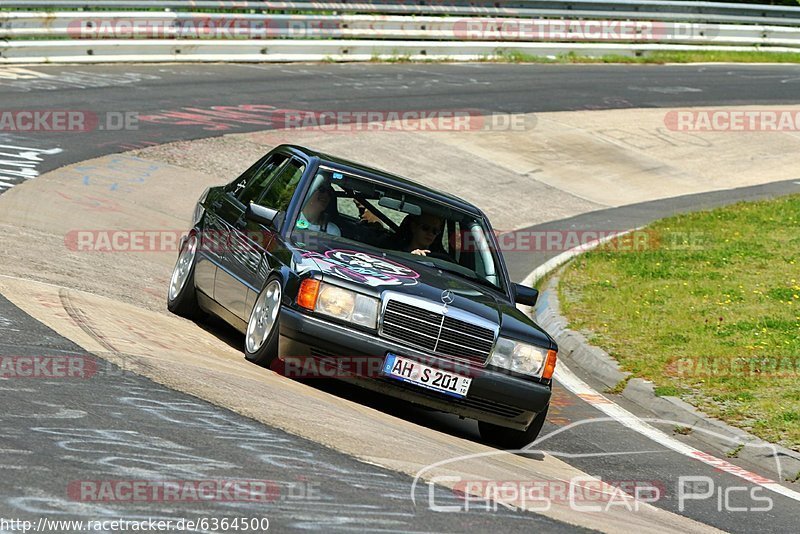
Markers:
<point>385,177</point>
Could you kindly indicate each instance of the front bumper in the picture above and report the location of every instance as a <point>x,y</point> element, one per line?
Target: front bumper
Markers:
<point>493,397</point>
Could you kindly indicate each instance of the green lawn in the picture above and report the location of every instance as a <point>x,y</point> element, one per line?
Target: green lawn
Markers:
<point>709,311</point>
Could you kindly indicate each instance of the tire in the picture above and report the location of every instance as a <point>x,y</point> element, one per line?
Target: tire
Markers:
<point>182,295</point>
<point>508,438</point>
<point>263,327</point>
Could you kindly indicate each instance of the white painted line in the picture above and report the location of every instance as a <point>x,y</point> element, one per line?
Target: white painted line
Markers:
<point>573,383</point>
<point>557,261</point>
<point>15,451</point>
<point>569,380</point>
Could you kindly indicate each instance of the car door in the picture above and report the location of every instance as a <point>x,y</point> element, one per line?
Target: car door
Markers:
<point>230,289</point>
<point>264,247</point>
<point>215,234</point>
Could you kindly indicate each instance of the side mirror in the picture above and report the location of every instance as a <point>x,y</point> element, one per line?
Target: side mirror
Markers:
<point>260,214</point>
<point>527,296</point>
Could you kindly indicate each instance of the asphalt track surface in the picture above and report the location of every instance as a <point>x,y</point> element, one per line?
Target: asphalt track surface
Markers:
<point>63,424</point>
<point>118,425</point>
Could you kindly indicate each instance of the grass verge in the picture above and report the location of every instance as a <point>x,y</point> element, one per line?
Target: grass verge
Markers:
<point>656,58</point>
<point>653,58</point>
<point>708,308</point>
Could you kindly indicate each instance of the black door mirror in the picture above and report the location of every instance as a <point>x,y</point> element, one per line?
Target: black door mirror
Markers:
<point>527,296</point>
<point>260,214</point>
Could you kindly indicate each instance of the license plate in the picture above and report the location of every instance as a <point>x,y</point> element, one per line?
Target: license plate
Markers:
<point>419,374</point>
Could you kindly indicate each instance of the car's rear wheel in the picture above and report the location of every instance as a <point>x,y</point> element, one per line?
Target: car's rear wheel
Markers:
<point>261,338</point>
<point>509,438</point>
<point>182,295</point>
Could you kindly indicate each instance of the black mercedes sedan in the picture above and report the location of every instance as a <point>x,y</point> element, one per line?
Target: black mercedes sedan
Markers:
<point>336,269</point>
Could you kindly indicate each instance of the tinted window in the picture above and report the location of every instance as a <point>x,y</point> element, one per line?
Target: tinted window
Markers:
<point>259,179</point>
<point>401,225</point>
<point>281,189</point>
<point>236,186</point>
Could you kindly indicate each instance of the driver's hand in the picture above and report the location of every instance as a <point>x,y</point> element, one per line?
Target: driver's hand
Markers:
<point>366,215</point>
<point>420,252</point>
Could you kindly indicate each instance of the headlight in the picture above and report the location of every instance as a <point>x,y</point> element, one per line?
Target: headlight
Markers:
<point>336,302</point>
<point>347,305</point>
<point>522,358</point>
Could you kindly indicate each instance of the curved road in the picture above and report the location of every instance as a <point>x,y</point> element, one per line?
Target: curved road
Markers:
<point>61,431</point>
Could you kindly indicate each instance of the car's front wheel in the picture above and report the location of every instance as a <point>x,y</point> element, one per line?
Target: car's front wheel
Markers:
<point>261,338</point>
<point>182,295</point>
<point>509,438</point>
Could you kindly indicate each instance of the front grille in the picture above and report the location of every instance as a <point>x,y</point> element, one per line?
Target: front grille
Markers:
<point>437,333</point>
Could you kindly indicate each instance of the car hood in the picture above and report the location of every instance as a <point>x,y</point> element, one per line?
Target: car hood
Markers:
<point>370,270</point>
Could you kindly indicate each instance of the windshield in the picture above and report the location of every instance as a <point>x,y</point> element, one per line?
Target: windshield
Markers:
<point>407,226</point>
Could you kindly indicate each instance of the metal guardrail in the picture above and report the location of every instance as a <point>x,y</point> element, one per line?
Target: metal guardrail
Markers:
<point>216,26</point>
<point>683,10</point>
<point>433,29</point>
<point>285,50</point>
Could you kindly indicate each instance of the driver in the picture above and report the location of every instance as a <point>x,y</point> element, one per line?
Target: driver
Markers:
<point>421,232</point>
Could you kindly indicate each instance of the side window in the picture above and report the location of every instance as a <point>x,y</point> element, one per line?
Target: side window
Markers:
<point>346,205</point>
<point>236,186</point>
<point>281,189</point>
<point>250,187</point>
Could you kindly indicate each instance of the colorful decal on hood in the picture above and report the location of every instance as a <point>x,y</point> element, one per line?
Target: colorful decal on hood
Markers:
<point>363,268</point>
